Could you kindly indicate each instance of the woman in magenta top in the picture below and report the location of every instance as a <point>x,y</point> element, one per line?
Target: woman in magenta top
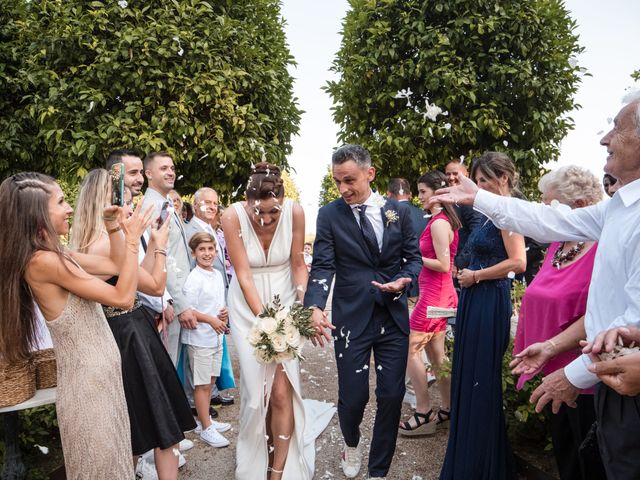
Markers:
<point>438,245</point>
<point>551,322</point>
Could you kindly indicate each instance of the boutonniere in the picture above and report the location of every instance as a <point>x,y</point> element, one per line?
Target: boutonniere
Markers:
<point>392,216</point>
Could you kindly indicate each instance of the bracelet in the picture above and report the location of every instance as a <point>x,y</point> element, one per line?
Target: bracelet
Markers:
<point>160,251</point>
<point>474,277</point>
<point>553,344</point>
<point>113,230</point>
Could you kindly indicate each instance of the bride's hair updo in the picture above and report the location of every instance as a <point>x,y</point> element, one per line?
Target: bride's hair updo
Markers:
<point>265,182</point>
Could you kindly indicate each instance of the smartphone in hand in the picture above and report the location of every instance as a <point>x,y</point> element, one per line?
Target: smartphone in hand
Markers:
<point>164,212</point>
<point>116,174</point>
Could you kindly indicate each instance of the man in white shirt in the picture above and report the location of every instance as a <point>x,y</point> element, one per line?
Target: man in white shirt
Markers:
<point>614,293</point>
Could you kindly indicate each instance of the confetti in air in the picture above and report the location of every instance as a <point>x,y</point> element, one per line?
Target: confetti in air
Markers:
<point>505,143</point>
<point>511,275</point>
<point>44,450</point>
<point>123,3</point>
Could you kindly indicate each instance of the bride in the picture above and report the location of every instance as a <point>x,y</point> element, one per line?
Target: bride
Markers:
<point>265,238</point>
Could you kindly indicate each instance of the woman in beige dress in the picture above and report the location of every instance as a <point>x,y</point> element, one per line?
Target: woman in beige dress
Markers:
<point>91,408</point>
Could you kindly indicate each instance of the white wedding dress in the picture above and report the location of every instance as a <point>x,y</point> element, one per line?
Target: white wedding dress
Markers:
<point>271,275</point>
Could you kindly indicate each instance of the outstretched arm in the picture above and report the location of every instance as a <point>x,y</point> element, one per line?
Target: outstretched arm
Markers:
<point>540,222</point>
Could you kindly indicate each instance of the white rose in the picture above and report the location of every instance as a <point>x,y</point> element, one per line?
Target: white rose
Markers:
<point>268,325</point>
<point>282,314</point>
<point>279,343</point>
<point>292,335</point>
<point>254,337</point>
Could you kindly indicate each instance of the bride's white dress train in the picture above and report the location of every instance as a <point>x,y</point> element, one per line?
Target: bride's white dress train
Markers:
<point>271,275</point>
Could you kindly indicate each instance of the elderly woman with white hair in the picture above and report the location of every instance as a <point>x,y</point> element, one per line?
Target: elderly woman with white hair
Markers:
<point>551,322</point>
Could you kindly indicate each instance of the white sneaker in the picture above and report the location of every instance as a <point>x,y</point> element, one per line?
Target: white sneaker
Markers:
<point>351,461</point>
<point>185,445</point>
<point>146,470</point>
<point>149,458</point>
<point>219,426</point>
<point>213,437</point>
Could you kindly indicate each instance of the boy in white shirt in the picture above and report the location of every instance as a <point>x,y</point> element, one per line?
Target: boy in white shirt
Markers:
<point>204,291</point>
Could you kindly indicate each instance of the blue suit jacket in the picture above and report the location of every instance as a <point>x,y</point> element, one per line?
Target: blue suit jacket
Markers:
<point>340,250</point>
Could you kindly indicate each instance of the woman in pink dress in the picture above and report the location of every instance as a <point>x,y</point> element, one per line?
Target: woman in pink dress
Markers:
<point>551,323</point>
<point>438,245</point>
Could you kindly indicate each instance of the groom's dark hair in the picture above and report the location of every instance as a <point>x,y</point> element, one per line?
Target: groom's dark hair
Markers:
<point>347,152</point>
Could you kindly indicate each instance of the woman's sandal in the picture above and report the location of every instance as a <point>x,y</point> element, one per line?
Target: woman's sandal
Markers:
<point>423,425</point>
<point>443,418</point>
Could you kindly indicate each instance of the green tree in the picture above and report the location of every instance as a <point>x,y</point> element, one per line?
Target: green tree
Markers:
<point>290,188</point>
<point>425,81</point>
<point>206,81</point>
<point>636,75</point>
<point>328,190</point>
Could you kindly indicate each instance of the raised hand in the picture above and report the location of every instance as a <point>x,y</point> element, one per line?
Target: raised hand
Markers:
<point>159,237</point>
<point>396,286</point>
<point>462,194</point>
<point>530,360</point>
<point>135,225</point>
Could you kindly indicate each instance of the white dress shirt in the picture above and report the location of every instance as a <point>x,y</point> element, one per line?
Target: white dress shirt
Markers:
<point>204,290</point>
<point>374,204</point>
<point>614,292</point>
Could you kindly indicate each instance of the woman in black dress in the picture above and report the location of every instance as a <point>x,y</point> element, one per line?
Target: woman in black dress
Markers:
<point>158,409</point>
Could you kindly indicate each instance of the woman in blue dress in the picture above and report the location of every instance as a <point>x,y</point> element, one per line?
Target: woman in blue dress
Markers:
<point>478,447</point>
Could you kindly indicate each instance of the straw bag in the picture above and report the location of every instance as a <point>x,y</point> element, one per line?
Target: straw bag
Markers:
<point>45,363</point>
<point>17,383</point>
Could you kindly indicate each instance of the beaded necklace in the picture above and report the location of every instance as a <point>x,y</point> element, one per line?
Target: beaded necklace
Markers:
<point>561,257</point>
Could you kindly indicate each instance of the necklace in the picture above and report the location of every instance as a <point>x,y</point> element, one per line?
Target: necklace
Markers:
<point>561,256</point>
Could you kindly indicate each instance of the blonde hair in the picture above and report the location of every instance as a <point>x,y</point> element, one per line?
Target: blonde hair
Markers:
<point>572,183</point>
<point>87,218</point>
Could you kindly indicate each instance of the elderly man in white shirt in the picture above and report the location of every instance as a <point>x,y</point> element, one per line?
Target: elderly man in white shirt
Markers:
<point>614,293</point>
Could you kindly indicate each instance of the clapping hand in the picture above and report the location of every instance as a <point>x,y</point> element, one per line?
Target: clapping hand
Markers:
<point>159,237</point>
<point>530,360</point>
<point>462,194</point>
<point>393,287</point>
<point>321,323</point>
<point>135,225</point>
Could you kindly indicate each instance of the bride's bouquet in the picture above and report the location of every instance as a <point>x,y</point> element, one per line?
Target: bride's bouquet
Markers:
<point>280,332</point>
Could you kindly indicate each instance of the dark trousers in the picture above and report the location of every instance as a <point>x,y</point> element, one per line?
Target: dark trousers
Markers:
<point>576,458</point>
<point>618,433</point>
<point>390,346</point>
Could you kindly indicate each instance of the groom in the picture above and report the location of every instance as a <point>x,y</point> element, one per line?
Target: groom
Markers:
<point>370,246</point>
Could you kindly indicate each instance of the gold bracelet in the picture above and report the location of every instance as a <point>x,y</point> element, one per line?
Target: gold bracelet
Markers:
<point>113,230</point>
<point>553,344</point>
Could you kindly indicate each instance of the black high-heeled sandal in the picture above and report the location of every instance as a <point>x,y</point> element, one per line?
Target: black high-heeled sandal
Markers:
<point>443,418</point>
<point>424,425</point>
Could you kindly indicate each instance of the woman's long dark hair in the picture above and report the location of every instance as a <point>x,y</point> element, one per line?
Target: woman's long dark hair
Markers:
<point>26,229</point>
<point>495,164</point>
<point>436,180</point>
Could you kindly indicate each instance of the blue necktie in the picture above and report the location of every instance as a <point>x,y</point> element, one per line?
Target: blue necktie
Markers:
<point>368,232</point>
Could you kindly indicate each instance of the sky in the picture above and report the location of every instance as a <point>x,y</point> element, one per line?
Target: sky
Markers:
<point>608,31</point>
